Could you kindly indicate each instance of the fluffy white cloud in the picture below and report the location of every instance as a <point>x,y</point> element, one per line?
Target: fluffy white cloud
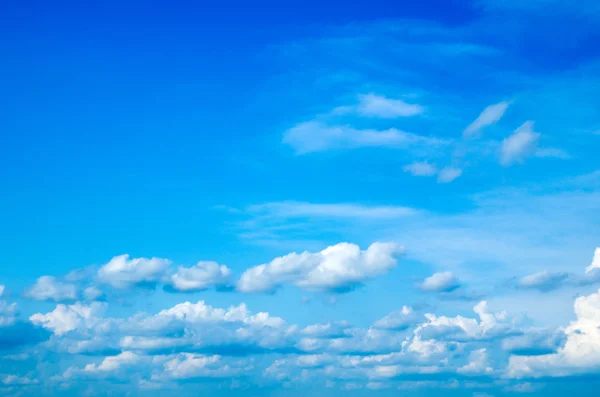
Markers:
<point>201,312</point>
<point>421,169</point>
<point>122,272</point>
<point>522,143</point>
<point>595,262</point>
<point>68,318</point>
<point>1,290</point>
<point>49,288</point>
<point>201,276</point>
<point>489,326</point>
<point>580,353</point>
<point>490,115</point>
<point>440,282</point>
<point>336,268</point>
<point>113,363</point>
<point>315,136</point>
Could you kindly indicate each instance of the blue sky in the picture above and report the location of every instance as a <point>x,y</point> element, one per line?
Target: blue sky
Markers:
<point>313,198</point>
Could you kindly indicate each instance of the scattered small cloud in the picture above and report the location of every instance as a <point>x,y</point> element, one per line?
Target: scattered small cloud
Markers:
<point>544,281</point>
<point>490,115</point>
<point>449,174</point>
<point>521,144</point>
<point>371,105</point>
<point>440,282</point>
<point>421,169</point>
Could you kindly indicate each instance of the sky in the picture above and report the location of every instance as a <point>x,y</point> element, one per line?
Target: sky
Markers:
<point>308,198</point>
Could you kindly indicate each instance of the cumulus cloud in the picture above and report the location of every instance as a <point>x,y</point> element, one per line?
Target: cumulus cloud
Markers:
<point>49,288</point>
<point>490,115</point>
<point>459,328</point>
<point>113,363</point>
<point>122,272</point>
<point>327,330</point>
<point>440,282</point>
<point>521,144</point>
<point>68,318</point>
<point>189,365</point>
<point>580,353</point>
<point>199,277</point>
<point>337,268</point>
<point>315,136</point>
<point>478,364</point>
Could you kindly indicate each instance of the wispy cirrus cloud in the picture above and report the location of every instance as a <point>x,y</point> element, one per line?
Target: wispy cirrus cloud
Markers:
<point>316,136</point>
<point>372,105</point>
<point>490,115</point>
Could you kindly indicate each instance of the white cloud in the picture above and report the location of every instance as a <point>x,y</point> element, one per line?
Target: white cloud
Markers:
<point>421,169</point>
<point>489,326</point>
<point>379,106</point>
<point>189,365</point>
<point>449,174</point>
<point>8,313</point>
<point>113,363</point>
<point>478,364</point>
<point>327,330</point>
<point>544,280</point>
<point>580,353</point>
<point>200,277</point>
<point>595,262</point>
<point>1,290</point>
<point>336,268</point>
<point>14,380</point>
<point>92,293</point>
<point>296,209</point>
<point>490,115</point>
<point>49,288</point>
<point>68,318</point>
<point>522,143</point>
<point>315,136</point>
<point>399,320</point>
<point>440,282</point>
<point>552,152</point>
<point>201,312</point>
<point>122,272</point>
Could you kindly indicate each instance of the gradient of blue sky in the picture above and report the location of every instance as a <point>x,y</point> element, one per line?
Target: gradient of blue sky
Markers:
<point>460,138</point>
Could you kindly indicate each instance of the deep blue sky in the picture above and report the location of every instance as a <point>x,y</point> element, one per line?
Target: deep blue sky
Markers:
<point>463,135</point>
